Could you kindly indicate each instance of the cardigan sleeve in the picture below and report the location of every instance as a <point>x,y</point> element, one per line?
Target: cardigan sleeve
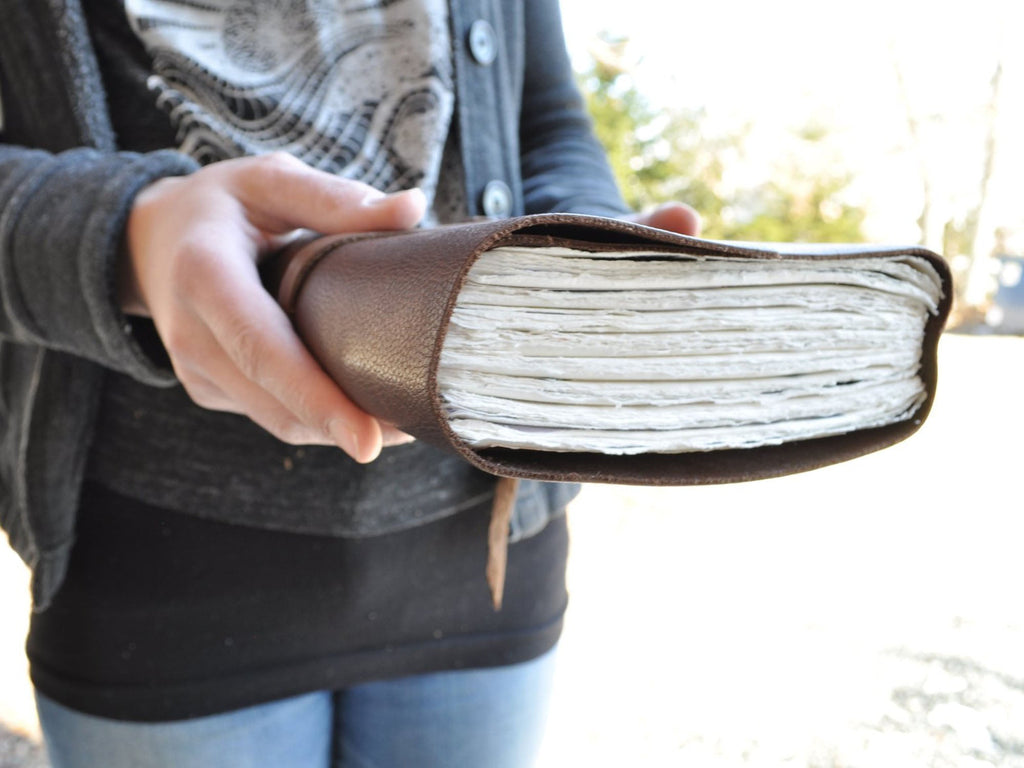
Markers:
<point>564,167</point>
<point>62,218</point>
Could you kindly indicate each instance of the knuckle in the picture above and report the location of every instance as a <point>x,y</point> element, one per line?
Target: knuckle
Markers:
<point>277,163</point>
<point>280,157</point>
<point>301,403</point>
<point>179,343</point>
<point>192,266</point>
<point>294,434</point>
<point>206,399</point>
<point>288,431</point>
<point>274,173</point>
<point>203,393</point>
<point>312,426</point>
<point>246,347</point>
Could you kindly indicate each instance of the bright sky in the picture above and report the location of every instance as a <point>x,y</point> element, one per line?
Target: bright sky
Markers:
<point>780,63</point>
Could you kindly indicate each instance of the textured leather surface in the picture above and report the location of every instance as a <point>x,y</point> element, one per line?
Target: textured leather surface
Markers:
<point>373,310</point>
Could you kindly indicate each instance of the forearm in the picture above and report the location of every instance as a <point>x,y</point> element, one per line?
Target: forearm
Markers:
<point>62,220</point>
<point>563,165</point>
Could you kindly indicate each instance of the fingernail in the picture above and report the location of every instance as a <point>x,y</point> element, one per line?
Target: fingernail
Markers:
<point>345,437</point>
<point>394,437</point>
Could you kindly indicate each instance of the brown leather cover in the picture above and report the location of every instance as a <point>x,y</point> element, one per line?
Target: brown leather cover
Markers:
<point>374,309</point>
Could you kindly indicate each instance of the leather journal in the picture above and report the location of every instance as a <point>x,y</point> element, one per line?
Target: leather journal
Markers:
<point>580,349</point>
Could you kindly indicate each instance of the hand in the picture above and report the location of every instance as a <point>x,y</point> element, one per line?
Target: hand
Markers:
<point>675,217</point>
<point>193,244</point>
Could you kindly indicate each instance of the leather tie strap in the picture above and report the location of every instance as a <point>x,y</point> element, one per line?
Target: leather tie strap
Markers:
<point>497,536</point>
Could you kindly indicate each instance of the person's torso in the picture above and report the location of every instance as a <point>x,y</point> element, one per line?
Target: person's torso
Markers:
<point>358,88</point>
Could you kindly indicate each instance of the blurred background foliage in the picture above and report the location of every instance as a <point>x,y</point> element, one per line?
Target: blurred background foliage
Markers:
<point>659,155</point>
<point>916,165</point>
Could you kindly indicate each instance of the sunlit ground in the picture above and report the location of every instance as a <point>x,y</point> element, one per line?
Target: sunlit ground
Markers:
<point>868,614</point>
<point>19,729</point>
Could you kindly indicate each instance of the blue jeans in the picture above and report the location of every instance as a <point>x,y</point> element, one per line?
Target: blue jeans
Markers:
<point>491,718</point>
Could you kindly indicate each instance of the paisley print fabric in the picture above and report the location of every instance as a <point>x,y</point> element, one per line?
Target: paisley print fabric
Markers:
<point>362,88</point>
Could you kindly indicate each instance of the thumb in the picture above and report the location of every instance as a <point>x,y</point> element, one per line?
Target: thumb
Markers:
<point>281,193</point>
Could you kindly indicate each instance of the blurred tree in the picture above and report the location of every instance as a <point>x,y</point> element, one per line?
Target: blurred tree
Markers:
<point>956,218</point>
<point>656,156</point>
<point>659,155</point>
<point>803,202</point>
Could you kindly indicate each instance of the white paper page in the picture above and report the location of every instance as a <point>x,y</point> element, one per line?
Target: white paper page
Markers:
<point>553,349</point>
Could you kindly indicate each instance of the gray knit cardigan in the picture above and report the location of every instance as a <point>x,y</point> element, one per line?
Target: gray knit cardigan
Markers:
<point>65,194</point>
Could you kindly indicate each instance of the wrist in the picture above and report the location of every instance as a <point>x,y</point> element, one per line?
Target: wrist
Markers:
<point>142,221</point>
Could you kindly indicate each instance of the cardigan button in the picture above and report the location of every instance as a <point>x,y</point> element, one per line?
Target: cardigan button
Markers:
<point>483,42</point>
<point>496,200</point>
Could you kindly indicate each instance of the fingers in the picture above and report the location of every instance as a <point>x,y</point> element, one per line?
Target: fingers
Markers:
<point>213,381</point>
<point>263,370</point>
<point>281,193</point>
<point>302,406</point>
<point>190,264</point>
<point>673,216</point>
<point>266,411</point>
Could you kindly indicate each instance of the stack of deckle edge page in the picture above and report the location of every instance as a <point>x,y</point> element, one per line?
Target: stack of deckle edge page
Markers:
<point>556,349</point>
